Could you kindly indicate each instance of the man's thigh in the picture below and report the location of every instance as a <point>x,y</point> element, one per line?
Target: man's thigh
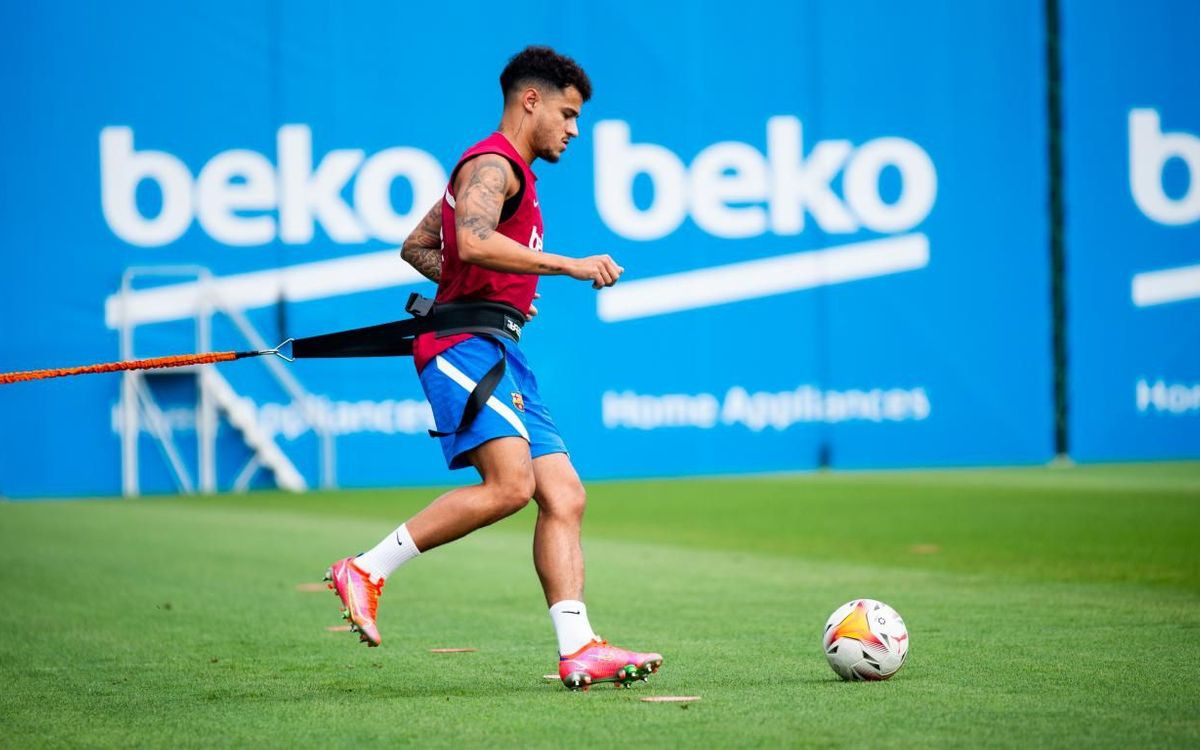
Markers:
<point>502,458</point>
<point>544,438</point>
<point>448,381</point>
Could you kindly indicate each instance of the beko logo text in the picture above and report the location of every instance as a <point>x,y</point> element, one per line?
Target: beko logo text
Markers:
<point>730,189</point>
<point>1149,151</point>
<point>726,185</point>
<point>235,193</point>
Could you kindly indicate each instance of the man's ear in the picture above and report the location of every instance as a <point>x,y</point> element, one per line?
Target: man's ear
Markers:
<point>530,98</point>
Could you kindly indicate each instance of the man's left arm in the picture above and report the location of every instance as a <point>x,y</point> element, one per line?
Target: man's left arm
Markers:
<point>423,248</point>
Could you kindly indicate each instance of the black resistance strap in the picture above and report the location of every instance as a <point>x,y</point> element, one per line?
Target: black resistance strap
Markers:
<point>480,394</point>
<point>491,320</point>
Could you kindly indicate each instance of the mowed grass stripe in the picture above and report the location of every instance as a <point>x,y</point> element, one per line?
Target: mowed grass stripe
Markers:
<point>92,654</point>
<point>1135,523</point>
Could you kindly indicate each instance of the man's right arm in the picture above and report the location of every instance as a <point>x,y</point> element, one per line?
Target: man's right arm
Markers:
<point>481,187</point>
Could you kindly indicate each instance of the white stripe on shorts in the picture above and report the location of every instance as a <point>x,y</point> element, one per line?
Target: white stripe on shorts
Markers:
<point>501,408</point>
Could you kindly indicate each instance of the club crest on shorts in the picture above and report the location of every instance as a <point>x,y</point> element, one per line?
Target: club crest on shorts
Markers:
<point>518,401</point>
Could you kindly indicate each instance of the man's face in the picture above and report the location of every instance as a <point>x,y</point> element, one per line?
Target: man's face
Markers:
<point>557,122</point>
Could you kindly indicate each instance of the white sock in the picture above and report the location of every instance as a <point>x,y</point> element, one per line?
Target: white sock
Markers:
<point>396,549</point>
<point>571,626</point>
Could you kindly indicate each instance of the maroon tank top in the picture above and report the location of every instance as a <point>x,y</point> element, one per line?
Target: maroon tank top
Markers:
<point>521,220</point>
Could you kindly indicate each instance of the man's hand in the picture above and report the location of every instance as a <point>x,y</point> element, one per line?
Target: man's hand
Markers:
<point>601,270</point>
<point>532,309</point>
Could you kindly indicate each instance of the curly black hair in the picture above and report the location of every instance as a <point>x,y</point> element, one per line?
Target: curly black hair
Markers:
<point>543,65</point>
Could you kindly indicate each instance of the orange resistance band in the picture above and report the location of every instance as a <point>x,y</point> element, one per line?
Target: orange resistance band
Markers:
<point>180,360</point>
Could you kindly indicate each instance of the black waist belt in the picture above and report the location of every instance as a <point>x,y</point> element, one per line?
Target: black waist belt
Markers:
<point>488,319</point>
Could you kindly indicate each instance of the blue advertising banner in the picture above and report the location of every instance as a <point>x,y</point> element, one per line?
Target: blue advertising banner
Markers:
<point>1132,163</point>
<point>834,242</point>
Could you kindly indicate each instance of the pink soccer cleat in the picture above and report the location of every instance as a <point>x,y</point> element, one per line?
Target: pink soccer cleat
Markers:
<point>600,662</point>
<point>359,596</point>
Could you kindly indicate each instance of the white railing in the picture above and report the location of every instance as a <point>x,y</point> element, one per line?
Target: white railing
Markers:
<point>215,395</point>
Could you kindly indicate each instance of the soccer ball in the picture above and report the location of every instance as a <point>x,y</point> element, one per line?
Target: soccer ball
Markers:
<point>865,640</point>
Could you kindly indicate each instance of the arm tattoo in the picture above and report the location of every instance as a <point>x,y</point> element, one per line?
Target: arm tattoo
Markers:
<point>481,200</point>
<point>423,248</point>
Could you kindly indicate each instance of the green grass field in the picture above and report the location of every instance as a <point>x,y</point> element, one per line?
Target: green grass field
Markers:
<point>1047,607</point>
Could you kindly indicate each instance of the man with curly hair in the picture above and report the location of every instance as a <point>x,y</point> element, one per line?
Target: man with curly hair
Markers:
<point>483,242</point>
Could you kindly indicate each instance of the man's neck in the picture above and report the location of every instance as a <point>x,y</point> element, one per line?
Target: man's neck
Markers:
<point>514,129</point>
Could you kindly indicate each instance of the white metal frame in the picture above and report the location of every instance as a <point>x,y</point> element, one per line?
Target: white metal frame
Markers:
<point>138,407</point>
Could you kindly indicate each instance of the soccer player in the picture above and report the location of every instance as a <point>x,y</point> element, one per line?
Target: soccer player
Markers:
<point>483,241</point>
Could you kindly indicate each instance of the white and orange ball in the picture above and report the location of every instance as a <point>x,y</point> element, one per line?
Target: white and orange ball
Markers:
<point>865,640</point>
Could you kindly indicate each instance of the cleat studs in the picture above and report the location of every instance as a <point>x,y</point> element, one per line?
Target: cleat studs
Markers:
<point>577,681</point>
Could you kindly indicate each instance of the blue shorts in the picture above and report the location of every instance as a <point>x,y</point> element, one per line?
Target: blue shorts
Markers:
<point>514,410</point>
